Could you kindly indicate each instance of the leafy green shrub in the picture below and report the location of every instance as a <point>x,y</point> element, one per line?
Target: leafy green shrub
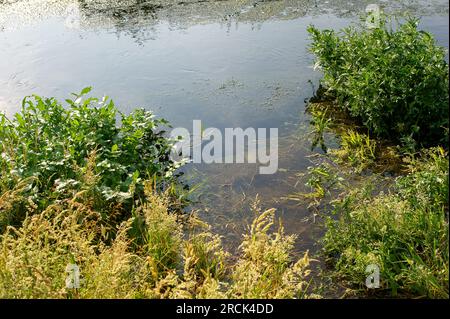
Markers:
<point>405,233</point>
<point>392,78</point>
<point>53,145</point>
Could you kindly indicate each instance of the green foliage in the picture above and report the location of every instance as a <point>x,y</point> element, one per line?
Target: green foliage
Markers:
<point>34,257</point>
<point>320,122</point>
<point>428,183</point>
<point>77,188</point>
<point>322,178</point>
<point>393,78</point>
<point>53,144</point>
<point>162,235</point>
<point>205,253</point>
<point>357,149</point>
<point>405,233</point>
<point>265,269</point>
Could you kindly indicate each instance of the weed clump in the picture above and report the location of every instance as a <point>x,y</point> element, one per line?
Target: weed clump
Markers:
<point>35,258</point>
<point>404,232</point>
<point>265,269</point>
<point>59,152</point>
<point>393,78</point>
<point>356,149</point>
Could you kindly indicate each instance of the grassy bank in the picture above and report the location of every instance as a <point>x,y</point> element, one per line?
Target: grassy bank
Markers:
<point>81,193</point>
<point>404,232</point>
<point>160,258</point>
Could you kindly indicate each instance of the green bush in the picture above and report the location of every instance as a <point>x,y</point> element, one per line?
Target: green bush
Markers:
<point>405,232</point>
<point>393,78</point>
<point>63,151</point>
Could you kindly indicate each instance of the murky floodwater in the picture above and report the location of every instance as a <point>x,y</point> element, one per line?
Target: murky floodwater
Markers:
<point>228,63</point>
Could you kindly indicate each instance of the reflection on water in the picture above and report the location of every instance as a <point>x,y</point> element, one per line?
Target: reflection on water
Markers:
<point>240,63</point>
<point>134,16</point>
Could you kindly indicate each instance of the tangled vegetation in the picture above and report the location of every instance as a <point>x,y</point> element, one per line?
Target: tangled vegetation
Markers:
<point>81,191</point>
<point>394,78</point>
<point>34,257</point>
<point>83,195</point>
<point>404,232</point>
<point>357,149</point>
<point>394,82</point>
<point>45,152</point>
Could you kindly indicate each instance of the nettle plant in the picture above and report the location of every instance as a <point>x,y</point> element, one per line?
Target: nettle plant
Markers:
<point>393,78</point>
<point>64,150</point>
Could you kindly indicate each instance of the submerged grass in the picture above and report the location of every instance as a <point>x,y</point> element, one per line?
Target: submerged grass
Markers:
<point>356,149</point>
